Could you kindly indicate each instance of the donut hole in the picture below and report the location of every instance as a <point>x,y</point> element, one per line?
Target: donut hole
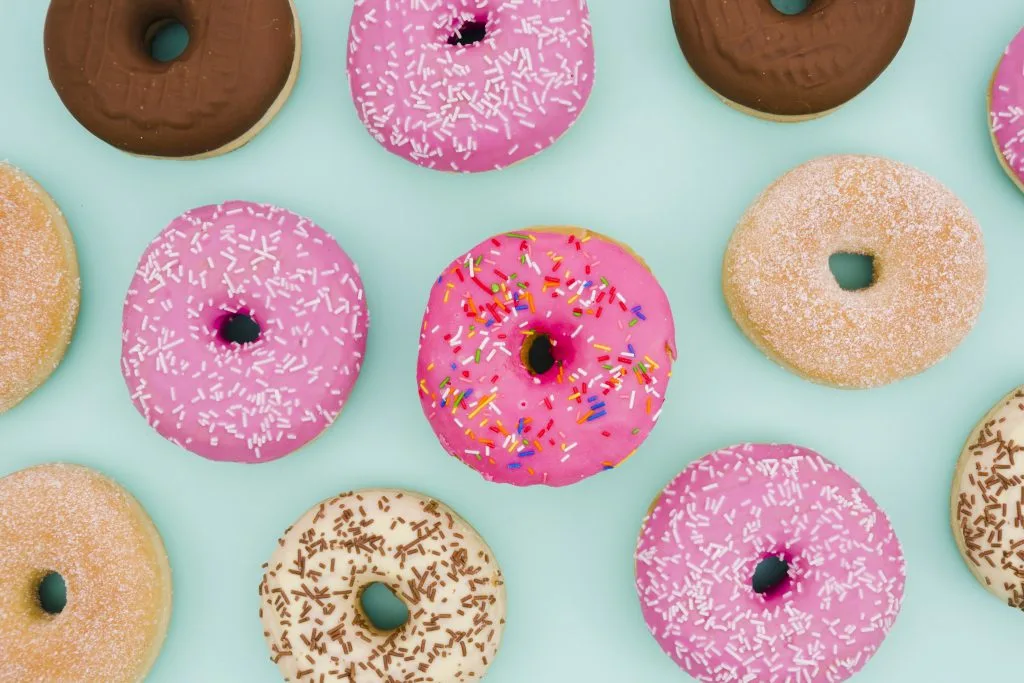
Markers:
<point>52,593</point>
<point>538,354</point>
<point>383,608</point>
<point>239,328</point>
<point>853,272</point>
<point>770,576</point>
<point>471,32</point>
<point>166,40</point>
<point>791,7</point>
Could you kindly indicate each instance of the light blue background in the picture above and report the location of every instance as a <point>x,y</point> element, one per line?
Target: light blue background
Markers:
<point>655,160</point>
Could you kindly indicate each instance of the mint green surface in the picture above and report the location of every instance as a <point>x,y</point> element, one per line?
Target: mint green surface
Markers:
<point>656,161</point>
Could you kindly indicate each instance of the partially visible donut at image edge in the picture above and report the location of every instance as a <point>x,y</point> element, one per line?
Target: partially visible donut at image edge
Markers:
<point>790,67</point>
<point>235,74</point>
<point>312,593</point>
<point>466,86</point>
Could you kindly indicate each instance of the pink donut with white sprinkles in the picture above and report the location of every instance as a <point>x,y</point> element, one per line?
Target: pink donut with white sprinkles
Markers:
<point>545,355</point>
<point>1006,109</point>
<point>244,331</point>
<point>768,564</point>
<point>469,85</point>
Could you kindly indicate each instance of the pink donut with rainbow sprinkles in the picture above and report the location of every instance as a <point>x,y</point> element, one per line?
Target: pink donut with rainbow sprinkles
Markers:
<point>244,331</point>
<point>768,563</point>
<point>469,85</point>
<point>1006,110</point>
<point>545,355</point>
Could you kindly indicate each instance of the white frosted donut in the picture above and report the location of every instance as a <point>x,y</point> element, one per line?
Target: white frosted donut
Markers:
<point>428,557</point>
<point>987,506</point>
<point>74,522</point>
<point>929,271</point>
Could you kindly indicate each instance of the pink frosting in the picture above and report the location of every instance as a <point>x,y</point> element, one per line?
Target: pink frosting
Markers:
<point>225,400</point>
<point>471,107</point>
<point>1007,111</point>
<point>613,344</point>
<point>723,515</point>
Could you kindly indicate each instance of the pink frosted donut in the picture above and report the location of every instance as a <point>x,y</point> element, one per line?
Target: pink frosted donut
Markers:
<point>544,356</point>
<point>769,564</point>
<point>244,331</point>
<point>1006,109</point>
<point>469,85</point>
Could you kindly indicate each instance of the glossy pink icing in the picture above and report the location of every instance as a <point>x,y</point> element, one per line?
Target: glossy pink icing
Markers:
<point>475,107</point>
<point>250,402</point>
<point>614,344</point>
<point>1007,108</point>
<point>718,519</point>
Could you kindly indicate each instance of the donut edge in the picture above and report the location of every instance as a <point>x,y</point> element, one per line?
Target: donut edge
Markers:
<point>1010,173</point>
<point>50,362</point>
<point>962,463</point>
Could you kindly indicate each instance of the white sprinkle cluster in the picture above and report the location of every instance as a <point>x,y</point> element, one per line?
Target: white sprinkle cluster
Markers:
<point>256,401</point>
<point>469,107</point>
<point>719,519</point>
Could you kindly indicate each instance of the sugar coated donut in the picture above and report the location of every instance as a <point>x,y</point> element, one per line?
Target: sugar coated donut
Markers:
<point>469,85</point>
<point>244,331</point>
<point>39,286</point>
<point>987,506</point>
<point>69,521</point>
<point>418,548</point>
<point>929,271</point>
<point>238,69</point>
<point>545,355</point>
<point>769,564</point>
<point>1006,109</point>
<point>790,67</point>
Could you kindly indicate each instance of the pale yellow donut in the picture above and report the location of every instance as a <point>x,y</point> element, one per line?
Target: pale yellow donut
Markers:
<point>39,288</point>
<point>428,557</point>
<point>987,501</point>
<point>75,522</point>
<point>929,263</point>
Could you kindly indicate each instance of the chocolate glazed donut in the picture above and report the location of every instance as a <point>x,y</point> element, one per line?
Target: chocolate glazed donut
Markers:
<point>237,71</point>
<point>790,67</point>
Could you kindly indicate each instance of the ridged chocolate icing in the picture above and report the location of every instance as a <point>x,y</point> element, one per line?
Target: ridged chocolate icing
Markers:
<point>790,65</point>
<point>238,60</point>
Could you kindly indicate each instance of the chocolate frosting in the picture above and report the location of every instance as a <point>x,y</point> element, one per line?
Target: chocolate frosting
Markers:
<point>790,65</point>
<point>238,61</point>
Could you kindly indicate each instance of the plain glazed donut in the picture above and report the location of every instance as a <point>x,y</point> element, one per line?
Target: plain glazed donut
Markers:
<point>239,67</point>
<point>545,355</point>
<point>244,331</point>
<point>469,85</point>
<point>839,569</point>
<point>987,506</point>
<point>72,521</point>
<point>929,271</point>
<point>428,557</point>
<point>1006,110</point>
<point>790,67</point>
<point>39,286</point>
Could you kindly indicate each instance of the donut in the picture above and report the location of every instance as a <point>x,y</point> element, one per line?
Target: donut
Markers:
<point>987,505</point>
<point>39,286</point>
<point>768,563</point>
<point>929,271</point>
<point>425,554</point>
<point>236,73</point>
<point>244,331</point>
<point>544,356</point>
<point>71,522</point>
<point>784,67</point>
<point>1006,110</point>
<point>469,85</point>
